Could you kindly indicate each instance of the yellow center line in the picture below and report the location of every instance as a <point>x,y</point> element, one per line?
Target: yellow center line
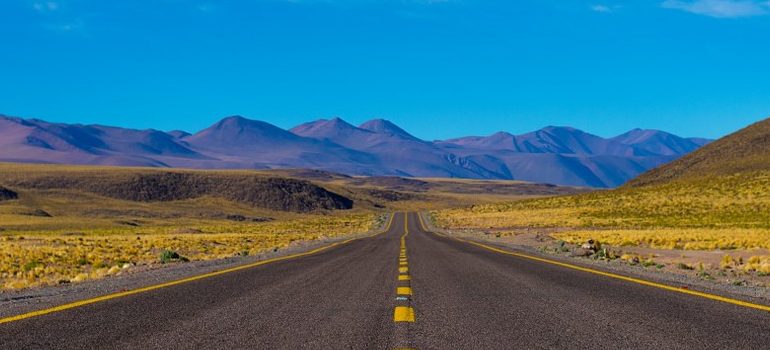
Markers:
<point>609,274</point>
<point>106,297</point>
<point>403,314</point>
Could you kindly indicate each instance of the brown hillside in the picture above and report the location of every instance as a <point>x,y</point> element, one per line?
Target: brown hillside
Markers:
<point>747,150</point>
<point>157,186</point>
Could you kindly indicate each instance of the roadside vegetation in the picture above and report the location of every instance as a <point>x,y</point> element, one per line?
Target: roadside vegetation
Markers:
<point>45,257</point>
<point>738,201</point>
<point>725,214</point>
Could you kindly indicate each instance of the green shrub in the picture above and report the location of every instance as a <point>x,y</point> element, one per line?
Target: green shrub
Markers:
<point>31,265</point>
<point>169,256</point>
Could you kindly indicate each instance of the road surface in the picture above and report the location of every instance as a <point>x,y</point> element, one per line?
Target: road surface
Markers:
<point>397,290</point>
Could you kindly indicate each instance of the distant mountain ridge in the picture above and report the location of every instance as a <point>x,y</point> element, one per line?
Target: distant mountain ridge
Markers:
<point>567,140</point>
<point>557,155</point>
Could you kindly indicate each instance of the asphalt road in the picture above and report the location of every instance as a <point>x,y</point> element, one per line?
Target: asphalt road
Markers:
<point>397,290</point>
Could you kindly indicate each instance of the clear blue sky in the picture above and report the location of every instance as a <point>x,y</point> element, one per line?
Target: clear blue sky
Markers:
<point>439,68</point>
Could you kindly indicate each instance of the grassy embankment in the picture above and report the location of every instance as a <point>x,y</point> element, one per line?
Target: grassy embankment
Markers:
<point>69,224</point>
<point>40,257</point>
<point>717,213</point>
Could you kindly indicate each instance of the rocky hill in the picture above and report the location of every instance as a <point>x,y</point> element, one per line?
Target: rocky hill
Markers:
<point>742,152</point>
<point>158,186</point>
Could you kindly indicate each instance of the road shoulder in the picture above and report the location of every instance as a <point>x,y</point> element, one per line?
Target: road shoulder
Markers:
<point>757,295</point>
<point>16,302</point>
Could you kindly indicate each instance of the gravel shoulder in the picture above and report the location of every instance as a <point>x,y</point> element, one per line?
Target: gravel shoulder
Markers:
<point>542,245</point>
<point>15,302</point>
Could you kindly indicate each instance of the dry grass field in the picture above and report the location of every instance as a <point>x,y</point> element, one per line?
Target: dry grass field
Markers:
<point>738,201</point>
<point>41,257</point>
<point>66,224</point>
<point>725,215</point>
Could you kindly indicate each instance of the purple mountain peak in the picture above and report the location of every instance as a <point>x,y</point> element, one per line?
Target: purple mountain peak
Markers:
<point>239,132</point>
<point>240,124</point>
<point>233,121</point>
<point>337,123</point>
<point>384,126</point>
<point>501,134</point>
<point>178,134</point>
<point>562,129</point>
<point>325,128</point>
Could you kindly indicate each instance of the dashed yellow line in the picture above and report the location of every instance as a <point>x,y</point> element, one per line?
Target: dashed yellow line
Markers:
<point>403,314</point>
<point>609,274</point>
<point>85,302</point>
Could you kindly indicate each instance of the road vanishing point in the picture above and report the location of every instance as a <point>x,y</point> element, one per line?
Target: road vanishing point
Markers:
<point>405,288</point>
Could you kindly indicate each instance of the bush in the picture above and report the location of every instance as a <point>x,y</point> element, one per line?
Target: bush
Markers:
<point>169,256</point>
<point>705,275</point>
<point>727,262</point>
<point>31,265</point>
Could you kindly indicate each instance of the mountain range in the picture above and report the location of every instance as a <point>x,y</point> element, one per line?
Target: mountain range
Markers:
<point>556,155</point>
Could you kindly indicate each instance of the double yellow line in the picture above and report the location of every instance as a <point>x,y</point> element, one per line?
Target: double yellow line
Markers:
<point>607,274</point>
<point>85,302</point>
<point>403,313</point>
